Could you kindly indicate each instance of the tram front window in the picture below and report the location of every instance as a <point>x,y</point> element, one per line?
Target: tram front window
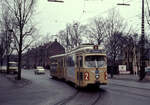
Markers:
<point>95,61</point>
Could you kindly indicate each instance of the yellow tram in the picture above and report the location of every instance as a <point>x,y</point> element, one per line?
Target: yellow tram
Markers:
<point>83,66</point>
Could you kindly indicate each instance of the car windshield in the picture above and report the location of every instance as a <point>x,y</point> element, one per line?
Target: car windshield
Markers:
<point>40,67</point>
<point>95,61</point>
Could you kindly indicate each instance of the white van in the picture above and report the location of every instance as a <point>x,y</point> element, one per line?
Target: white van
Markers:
<point>3,69</point>
<point>13,67</point>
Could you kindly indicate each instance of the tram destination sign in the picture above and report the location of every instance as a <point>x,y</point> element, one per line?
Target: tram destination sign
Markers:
<point>96,51</point>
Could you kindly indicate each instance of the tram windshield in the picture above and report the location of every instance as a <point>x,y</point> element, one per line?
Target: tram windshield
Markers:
<point>95,61</point>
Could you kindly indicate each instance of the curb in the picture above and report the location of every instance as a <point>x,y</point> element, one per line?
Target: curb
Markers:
<point>145,80</point>
<point>18,83</point>
<point>129,86</point>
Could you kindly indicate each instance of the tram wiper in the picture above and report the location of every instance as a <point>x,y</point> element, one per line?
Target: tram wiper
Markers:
<point>96,63</point>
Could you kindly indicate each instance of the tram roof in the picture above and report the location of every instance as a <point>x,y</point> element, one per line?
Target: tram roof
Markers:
<point>60,55</point>
<point>84,48</point>
<point>81,48</point>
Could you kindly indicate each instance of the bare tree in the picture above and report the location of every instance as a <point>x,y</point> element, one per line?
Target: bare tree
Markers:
<point>113,49</point>
<point>77,30</point>
<point>47,38</point>
<point>129,47</point>
<point>96,31</point>
<point>66,36</point>
<point>22,11</point>
<point>115,27</point>
<point>2,48</point>
<point>63,37</point>
<point>115,23</point>
<point>7,39</point>
<point>72,35</point>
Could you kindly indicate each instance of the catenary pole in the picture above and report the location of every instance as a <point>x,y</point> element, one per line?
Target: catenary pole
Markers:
<point>142,49</point>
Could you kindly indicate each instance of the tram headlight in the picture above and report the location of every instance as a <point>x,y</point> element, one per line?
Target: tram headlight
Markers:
<point>97,76</point>
<point>97,73</point>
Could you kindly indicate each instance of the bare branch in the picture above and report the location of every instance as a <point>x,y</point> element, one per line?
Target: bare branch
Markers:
<point>27,46</point>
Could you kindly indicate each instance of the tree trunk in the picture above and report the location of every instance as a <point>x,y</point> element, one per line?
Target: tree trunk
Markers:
<point>1,61</point>
<point>20,56</point>
<point>114,64</point>
<point>7,64</point>
<point>19,64</point>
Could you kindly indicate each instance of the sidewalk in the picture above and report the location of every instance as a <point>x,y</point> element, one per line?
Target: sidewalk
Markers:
<point>5,84</point>
<point>130,81</point>
<point>129,77</point>
<point>9,81</point>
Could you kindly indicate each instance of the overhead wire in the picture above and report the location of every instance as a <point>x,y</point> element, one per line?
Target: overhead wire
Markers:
<point>148,21</point>
<point>106,11</point>
<point>148,7</point>
<point>84,11</point>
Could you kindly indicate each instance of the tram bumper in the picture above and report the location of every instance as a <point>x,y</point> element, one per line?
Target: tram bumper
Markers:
<point>92,83</point>
<point>99,83</point>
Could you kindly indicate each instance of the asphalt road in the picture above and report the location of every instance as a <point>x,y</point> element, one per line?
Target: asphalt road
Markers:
<point>42,90</point>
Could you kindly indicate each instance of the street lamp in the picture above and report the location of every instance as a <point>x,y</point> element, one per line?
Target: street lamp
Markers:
<point>142,43</point>
<point>124,4</point>
<point>142,49</point>
<point>60,1</point>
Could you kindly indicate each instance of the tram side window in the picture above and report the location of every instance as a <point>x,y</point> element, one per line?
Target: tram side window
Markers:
<point>79,61</point>
<point>53,65</point>
<point>70,61</point>
<point>61,63</point>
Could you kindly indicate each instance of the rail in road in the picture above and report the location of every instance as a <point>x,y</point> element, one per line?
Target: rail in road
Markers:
<point>132,90</point>
<point>129,92</point>
<point>64,101</point>
<point>94,100</point>
<point>115,84</point>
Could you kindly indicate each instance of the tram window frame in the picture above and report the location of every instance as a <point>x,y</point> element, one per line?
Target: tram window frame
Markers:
<point>65,62</point>
<point>70,61</point>
<point>80,60</point>
<point>61,62</point>
<point>53,66</point>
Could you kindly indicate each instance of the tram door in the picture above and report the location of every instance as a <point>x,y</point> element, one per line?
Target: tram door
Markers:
<point>79,66</point>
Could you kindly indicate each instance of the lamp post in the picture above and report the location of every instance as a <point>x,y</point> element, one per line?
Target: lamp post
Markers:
<point>142,49</point>
<point>59,1</point>
<point>124,4</point>
<point>142,43</point>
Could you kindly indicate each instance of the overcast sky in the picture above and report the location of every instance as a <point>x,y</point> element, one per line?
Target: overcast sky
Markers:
<point>51,17</point>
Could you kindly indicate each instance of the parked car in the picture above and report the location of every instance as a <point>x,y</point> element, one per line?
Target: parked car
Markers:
<point>3,69</point>
<point>39,70</point>
<point>147,70</point>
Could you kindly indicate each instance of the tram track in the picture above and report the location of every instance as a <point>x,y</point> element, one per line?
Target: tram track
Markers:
<point>127,92</point>
<point>96,99</point>
<point>68,99</point>
<point>71,98</point>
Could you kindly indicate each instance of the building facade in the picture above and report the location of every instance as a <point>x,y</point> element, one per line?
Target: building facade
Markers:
<point>39,56</point>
